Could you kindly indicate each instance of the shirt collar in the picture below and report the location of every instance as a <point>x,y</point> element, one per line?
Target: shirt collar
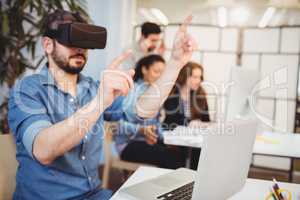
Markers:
<point>48,79</point>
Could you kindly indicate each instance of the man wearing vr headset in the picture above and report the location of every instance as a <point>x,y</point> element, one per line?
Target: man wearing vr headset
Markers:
<point>57,115</point>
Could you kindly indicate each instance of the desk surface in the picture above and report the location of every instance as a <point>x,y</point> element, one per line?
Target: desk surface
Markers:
<point>279,144</point>
<point>267,143</point>
<point>253,189</point>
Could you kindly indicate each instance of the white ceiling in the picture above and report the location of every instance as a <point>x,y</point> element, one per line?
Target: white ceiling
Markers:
<point>205,11</point>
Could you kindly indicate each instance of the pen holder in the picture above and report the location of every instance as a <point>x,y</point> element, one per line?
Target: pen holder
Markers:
<point>287,194</point>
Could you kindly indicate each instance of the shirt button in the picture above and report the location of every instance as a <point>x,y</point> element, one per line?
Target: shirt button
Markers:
<point>82,157</point>
<point>90,178</point>
<point>71,100</point>
<point>86,137</point>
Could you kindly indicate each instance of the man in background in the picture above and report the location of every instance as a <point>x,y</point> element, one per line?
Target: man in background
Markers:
<point>150,42</point>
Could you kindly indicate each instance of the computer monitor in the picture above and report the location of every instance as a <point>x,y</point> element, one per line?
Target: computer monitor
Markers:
<point>241,93</point>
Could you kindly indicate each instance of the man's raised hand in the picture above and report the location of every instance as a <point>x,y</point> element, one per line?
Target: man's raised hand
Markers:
<point>114,81</point>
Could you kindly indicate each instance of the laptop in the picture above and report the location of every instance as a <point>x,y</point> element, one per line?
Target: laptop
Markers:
<point>222,169</point>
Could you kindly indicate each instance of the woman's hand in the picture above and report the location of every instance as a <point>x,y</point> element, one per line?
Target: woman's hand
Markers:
<point>149,133</point>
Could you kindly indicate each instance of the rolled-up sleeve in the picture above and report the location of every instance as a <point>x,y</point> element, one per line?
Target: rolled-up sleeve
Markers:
<point>27,115</point>
<point>130,103</point>
<point>125,108</point>
<point>31,131</point>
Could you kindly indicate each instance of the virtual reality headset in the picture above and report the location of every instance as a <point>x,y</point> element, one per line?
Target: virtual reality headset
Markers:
<point>79,35</point>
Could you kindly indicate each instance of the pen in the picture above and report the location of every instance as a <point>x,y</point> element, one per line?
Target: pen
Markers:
<point>273,194</point>
<point>276,189</point>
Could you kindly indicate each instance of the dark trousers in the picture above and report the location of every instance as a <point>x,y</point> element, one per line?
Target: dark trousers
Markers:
<point>195,153</point>
<point>159,155</point>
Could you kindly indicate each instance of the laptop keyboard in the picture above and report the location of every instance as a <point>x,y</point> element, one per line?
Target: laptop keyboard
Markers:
<point>182,193</point>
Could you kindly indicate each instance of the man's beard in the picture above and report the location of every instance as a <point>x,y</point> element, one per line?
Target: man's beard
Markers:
<point>63,63</point>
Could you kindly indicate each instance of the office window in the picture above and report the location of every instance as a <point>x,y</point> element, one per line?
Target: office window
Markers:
<point>217,69</point>
<point>207,38</point>
<point>265,40</point>
<point>290,40</point>
<point>281,70</point>
<point>229,41</point>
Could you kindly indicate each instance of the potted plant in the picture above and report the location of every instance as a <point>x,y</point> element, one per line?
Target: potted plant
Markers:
<point>20,29</point>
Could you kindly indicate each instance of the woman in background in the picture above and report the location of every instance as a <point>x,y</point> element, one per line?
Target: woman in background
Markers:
<point>187,102</point>
<point>143,143</point>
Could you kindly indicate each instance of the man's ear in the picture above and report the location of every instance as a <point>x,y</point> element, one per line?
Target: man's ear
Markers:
<point>48,44</point>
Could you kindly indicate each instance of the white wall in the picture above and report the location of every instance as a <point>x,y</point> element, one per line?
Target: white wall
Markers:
<point>117,16</point>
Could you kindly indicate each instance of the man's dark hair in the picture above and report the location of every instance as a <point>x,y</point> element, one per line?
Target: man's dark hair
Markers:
<point>150,28</point>
<point>146,62</point>
<point>61,17</point>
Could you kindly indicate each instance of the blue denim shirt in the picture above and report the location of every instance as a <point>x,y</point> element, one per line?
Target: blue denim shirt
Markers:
<point>36,103</point>
<point>127,127</point>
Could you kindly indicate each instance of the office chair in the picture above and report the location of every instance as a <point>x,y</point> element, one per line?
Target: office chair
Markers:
<point>8,166</point>
<point>111,160</point>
